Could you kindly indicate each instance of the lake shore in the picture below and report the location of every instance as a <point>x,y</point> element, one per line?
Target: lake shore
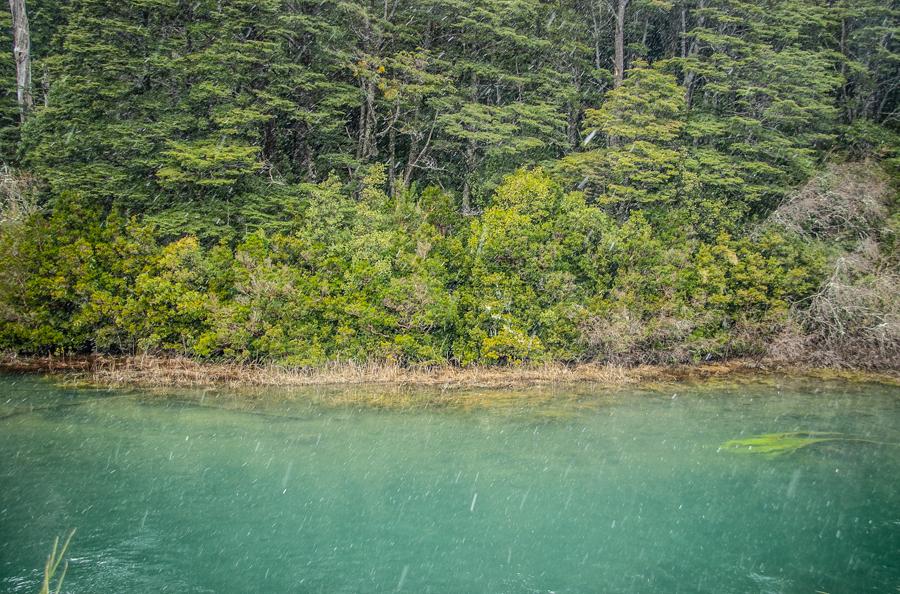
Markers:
<point>156,372</point>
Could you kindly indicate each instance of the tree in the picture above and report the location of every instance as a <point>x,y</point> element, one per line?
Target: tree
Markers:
<point>870,59</point>
<point>22,56</point>
<point>641,120</point>
<point>763,88</point>
<point>619,61</point>
<point>427,180</point>
<point>9,109</point>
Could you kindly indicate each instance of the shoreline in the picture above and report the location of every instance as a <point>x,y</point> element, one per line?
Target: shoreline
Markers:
<point>179,372</point>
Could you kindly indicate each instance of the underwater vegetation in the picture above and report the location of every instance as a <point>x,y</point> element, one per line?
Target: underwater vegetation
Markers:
<point>780,444</point>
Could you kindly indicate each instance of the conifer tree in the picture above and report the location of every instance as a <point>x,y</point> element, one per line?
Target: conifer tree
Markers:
<point>640,122</point>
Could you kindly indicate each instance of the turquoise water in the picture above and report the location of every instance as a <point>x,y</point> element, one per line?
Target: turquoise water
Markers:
<point>584,490</point>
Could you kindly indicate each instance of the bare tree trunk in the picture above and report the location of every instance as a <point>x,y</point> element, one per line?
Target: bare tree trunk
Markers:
<point>690,76</point>
<point>392,148</point>
<point>365,143</point>
<point>412,154</point>
<point>470,171</point>
<point>301,152</point>
<point>619,61</point>
<point>309,160</point>
<point>597,37</point>
<point>269,141</point>
<point>646,32</point>
<point>471,156</point>
<point>22,55</point>
<point>572,124</point>
<point>415,153</point>
<point>843,49</point>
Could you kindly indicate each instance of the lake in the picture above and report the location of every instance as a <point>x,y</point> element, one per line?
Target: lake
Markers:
<point>366,489</point>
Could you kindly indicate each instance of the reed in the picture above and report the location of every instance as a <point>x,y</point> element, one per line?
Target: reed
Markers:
<point>161,371</point>
<point>188,373</point>
<point>50,568</point>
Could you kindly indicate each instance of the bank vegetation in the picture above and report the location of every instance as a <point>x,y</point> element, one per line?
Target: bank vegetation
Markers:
<point>362,188</point>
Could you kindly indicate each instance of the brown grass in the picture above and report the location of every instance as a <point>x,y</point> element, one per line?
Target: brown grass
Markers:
<point>18,198</point>
<point>846,201</point>
<point>854,318</point>
<point>150,371</point>
<point>177,371</point>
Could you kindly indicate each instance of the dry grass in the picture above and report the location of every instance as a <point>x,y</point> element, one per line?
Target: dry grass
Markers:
<point>388,380</point>
<point>17,196</point>
<point>181,372</point>
<point>856,313</point>
<point>846,201</point>
<point>853,320</point>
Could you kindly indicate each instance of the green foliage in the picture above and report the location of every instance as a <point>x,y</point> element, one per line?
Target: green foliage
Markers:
<point>171,300</point>
<point>67,284</point>
<point>762,88</point>
<point>640,120</point>
<point>524,257</point>
<point>648,106</point>
<point>206,164</point>
<point>9,111</point>
<point>426,181</point>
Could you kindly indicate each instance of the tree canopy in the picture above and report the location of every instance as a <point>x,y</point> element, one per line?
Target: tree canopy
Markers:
<point>490,181</point>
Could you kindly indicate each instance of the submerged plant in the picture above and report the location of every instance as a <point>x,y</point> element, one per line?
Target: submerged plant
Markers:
<point>52,565</point>
<point>778,444</point>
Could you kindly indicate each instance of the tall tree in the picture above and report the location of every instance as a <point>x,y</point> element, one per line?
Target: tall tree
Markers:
<point>619,59</point>
<point>646,116</point>
<point>22,55</point>
<point>9,108</point>
<point>764,88</point>
<point>870,64</point>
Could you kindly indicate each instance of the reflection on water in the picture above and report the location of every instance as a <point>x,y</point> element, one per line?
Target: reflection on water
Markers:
<point>376,489</point>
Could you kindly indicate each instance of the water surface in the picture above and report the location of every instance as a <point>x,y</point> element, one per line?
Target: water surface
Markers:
<point>579,489</point>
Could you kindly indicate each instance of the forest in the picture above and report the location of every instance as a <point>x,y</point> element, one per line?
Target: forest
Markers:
<point>462,182</point>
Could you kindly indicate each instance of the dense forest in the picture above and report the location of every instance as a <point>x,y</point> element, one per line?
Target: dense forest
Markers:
<point>452,181</point>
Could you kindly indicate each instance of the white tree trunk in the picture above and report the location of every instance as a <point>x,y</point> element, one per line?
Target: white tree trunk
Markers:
<point>619,59</point>
<point>22,55</point>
